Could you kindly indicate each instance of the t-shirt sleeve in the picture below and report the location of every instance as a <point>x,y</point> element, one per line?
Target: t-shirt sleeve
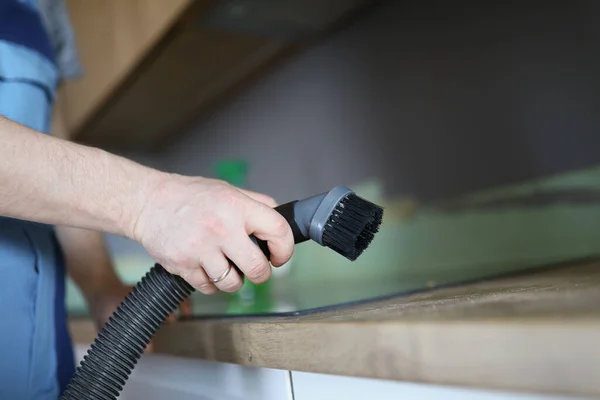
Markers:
<point>62,36</point>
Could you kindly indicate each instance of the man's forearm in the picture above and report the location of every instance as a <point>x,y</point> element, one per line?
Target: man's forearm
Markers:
<point>53,181</point>
<point>193,226</point>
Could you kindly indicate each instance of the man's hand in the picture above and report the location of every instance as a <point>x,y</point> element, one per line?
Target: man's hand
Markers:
<point>190,225</point>
<point>194,226</point>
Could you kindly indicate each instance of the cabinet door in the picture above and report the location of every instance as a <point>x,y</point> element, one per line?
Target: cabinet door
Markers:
<point>158,377</point>
<point>309,386</point>
<point>112,36</point>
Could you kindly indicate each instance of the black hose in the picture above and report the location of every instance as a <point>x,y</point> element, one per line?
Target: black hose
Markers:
<point>120,344</point>
<point>344,222</point>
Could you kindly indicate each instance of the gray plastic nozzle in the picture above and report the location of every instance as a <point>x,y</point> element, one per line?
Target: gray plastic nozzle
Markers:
<point>311,215</point>
<point>308,217</point>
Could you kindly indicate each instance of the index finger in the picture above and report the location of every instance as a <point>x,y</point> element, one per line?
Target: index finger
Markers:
<point>263,198</point>
<point>267,224</point>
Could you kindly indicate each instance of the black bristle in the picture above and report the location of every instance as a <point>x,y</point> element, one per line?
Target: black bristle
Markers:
<point>352,226</point>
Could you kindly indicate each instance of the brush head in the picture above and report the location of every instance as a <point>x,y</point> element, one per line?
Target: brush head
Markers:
<point>351,226</point>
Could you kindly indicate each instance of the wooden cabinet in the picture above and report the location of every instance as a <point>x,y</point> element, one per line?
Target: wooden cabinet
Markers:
<point>112,37</point>
<point>152,67</point>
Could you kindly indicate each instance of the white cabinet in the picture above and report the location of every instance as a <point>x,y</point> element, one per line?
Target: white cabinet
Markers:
<point>158,377</point>
<point>309,386</point>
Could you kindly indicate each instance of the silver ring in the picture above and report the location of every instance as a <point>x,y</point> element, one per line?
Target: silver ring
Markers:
<point>223,276</point>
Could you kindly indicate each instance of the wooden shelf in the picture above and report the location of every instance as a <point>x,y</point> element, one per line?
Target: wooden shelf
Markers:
<point>535,332</point>
<point>153,67</point>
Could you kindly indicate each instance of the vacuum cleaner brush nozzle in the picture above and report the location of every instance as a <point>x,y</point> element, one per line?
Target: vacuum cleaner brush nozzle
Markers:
<point>338,219</point>
<point>352,226</point>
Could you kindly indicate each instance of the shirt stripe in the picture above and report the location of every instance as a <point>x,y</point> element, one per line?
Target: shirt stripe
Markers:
<point>22,25</point>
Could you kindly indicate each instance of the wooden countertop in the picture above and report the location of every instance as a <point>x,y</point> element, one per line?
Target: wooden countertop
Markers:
<point>536,332</point>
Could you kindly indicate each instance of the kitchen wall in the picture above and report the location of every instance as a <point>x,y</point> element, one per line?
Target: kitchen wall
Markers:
<point>435,98</point>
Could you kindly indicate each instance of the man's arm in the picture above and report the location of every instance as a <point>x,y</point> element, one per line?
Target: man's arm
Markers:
<point>191,225</point>
<point>87,259</point>
<point>49,180</point>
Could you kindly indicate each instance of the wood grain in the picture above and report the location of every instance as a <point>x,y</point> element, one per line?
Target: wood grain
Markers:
<point>112,37</point>
<point>534,332</point>
<point>152,68</point>
<point>184,77</point>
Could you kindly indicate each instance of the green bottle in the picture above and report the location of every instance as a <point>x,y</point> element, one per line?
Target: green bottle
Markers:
<point>251,298</point>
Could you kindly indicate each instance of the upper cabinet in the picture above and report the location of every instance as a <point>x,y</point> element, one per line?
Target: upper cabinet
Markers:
<point>152,67</point>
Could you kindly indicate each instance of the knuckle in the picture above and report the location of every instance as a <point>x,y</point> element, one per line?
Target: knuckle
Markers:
<point>227,194</point>
<point>184,273</point>
<point>282,254</point>
<point>175,270</point>
<point>258,271</point>
<point>268,200</point>
<point>208,288</point>
<point>231,285</point>
<point>282,229</point>
<point>197,279</point>
<point>282,258</point>
<point>219,185</point>
<point>216,226</point>
<point>179,259</point>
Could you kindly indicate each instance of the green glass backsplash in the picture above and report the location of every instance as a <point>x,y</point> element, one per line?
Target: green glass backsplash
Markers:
<point>420,246</point>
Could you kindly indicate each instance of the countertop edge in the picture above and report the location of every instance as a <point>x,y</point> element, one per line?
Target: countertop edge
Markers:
<point>541,355</point>
<point>535,332</point>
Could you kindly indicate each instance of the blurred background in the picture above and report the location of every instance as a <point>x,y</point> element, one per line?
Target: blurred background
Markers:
<point>475,124</point>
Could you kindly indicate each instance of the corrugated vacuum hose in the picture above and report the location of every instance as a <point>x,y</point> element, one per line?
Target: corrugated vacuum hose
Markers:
<point>118,347</point>
<point>338,219</point>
